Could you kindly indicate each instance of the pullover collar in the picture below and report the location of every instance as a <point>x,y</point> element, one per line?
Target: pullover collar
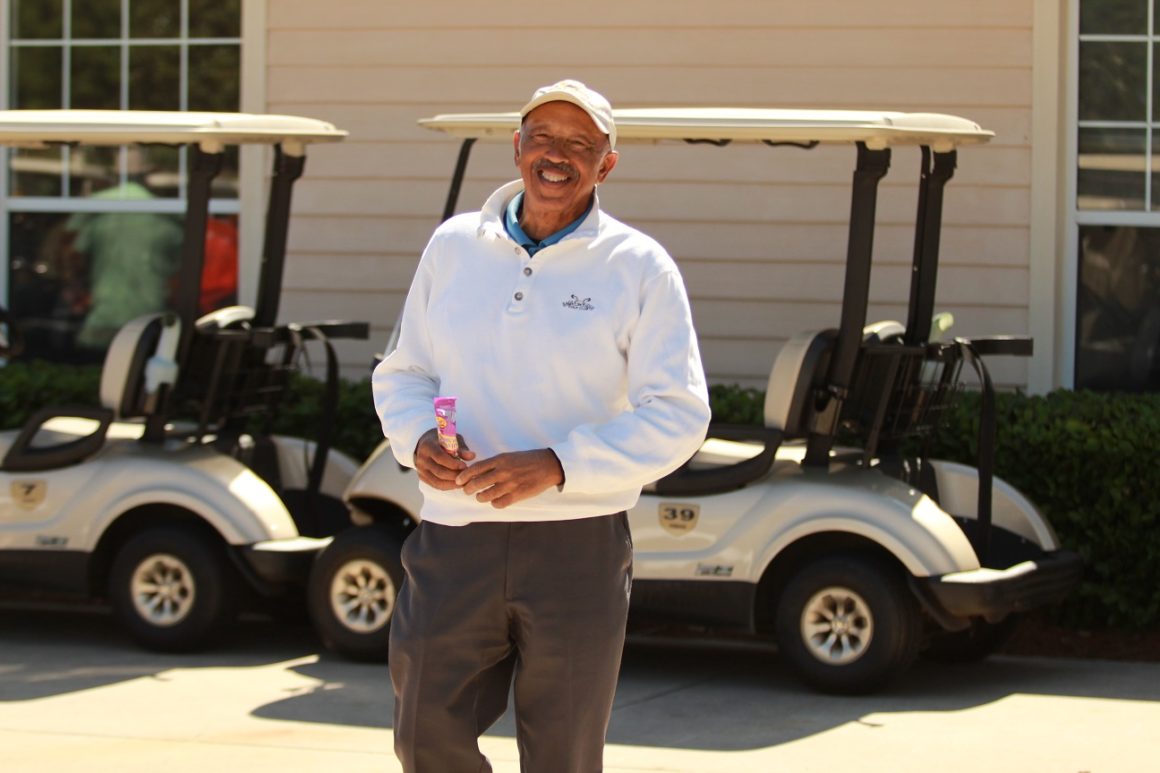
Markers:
<point>491,217</point>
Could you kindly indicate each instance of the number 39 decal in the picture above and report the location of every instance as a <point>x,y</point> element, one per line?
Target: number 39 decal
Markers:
<point>678,517</point>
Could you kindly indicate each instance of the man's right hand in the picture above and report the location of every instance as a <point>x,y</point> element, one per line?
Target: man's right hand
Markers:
<point>435,466</point>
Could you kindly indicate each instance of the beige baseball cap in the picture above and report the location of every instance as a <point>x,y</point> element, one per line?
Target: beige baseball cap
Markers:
<point>592,102</point>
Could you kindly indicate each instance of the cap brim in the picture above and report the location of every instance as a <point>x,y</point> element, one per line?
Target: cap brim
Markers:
<point>564,96</point>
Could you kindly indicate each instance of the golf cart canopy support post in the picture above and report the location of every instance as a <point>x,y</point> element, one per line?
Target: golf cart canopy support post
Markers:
<point>872,167</point>
<point>287,169</point>
<point>203,168</point>
<point>457,177</point>
<point>927,226</point>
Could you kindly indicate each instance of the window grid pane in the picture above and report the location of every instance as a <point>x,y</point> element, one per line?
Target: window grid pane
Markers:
<point>36,19</point>
<point>1118,104</point>
<point>36,77</point>
<point>155,19</point>
<point>219,88</point>
<point>1114,17</point>
<point>1112,169</point>
<point>1118,321</point>
<point>155,78</point>
<point>96,19</point>
<point>215,18</point>
<point>95,78</point>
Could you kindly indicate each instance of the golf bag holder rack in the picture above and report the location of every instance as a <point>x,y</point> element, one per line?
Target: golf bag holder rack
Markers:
<point>903,391</point>
<point>899,392</point>
<point>239,375</point>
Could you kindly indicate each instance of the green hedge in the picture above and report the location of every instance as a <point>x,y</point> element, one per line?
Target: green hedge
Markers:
<point>26,387</point>
<point>357,431</point>
<point>1089,460</point>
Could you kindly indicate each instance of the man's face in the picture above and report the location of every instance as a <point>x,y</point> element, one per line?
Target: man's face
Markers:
<point>561,156</point>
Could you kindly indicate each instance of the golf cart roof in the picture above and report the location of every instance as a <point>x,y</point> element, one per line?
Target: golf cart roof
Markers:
<point>877,129</point>
<point>39,128</point>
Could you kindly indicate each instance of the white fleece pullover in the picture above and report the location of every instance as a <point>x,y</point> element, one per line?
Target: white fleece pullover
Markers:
<point>587,348</point>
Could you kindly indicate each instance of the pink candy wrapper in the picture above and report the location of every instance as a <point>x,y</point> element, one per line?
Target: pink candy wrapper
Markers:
<point>445,421</point>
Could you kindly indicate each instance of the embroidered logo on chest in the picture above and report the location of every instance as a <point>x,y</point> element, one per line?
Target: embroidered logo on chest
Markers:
<point>579,304</point>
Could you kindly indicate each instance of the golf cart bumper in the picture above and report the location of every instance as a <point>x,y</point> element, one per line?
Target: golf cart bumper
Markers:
<point>275,564</point>
<point>992,594</point>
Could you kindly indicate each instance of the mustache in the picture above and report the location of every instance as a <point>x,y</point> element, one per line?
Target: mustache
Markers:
<point>552,166</point>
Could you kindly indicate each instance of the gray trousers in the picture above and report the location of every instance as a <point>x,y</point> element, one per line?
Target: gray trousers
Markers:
<point>545,602</point>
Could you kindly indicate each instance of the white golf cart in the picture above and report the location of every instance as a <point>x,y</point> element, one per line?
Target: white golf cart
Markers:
<point>851,558</point>
<point>173,500</point>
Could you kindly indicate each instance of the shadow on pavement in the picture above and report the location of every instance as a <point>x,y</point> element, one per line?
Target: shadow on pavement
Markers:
<point>726,697</point>
<point>33,638</point>
<point>673,693</point>
<point>732,699</point>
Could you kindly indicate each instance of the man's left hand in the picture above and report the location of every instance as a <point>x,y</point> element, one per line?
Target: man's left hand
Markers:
<point>505,479</point>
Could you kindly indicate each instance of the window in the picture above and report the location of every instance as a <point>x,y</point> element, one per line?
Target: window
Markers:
<point>1116,213</point>
<point>93,234</point>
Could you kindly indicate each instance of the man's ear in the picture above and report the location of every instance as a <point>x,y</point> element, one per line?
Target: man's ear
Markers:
<point>516,145</point>
<point>606,165</point>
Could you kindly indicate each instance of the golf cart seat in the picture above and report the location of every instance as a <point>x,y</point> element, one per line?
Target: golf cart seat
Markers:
<point>226,317</point>
<point>138,361</point>
<point>734,455</point>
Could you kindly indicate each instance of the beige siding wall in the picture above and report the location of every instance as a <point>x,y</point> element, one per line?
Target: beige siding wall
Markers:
<point>759,233</point>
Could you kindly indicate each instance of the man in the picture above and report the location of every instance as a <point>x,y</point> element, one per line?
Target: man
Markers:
<point>132,259</point>
<point>567,339</point>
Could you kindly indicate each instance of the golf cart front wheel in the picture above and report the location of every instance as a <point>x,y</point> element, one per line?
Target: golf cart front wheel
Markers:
<point>352,592</point>
<point>170,587</point>
<point>847,624</point>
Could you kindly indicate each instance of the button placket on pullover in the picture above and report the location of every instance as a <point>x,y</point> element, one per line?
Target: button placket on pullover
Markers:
<point>518,301</point>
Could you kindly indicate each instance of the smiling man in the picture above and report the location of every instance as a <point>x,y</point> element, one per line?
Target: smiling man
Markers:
<point>567,339</point>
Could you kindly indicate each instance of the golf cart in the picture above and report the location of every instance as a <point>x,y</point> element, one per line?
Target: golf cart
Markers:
<point>827,529</point>
<point>173,500</point>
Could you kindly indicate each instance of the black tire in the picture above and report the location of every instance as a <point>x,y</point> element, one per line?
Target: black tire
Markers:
<point>173,588</point>
<point>979,641</point>
<point>847,624</point>
<point>352,591</point>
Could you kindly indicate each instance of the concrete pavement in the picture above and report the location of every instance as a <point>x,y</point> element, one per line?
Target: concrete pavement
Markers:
<point>75,695</point>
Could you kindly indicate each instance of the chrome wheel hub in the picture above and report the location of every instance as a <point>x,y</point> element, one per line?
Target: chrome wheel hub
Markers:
<point>837,626</point>
<point>362,596</point>
<point>163,590</point>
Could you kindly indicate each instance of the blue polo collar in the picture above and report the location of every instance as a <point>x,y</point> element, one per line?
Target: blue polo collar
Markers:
<point>511,222</point>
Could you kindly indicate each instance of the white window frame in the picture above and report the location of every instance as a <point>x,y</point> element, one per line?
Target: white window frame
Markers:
<point>1074,217</point>
<point>250,183</point>
<point>253,159</point>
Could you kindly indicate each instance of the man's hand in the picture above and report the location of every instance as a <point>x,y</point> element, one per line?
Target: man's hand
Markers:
<point>435,466</point>
<point>509,478</point>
